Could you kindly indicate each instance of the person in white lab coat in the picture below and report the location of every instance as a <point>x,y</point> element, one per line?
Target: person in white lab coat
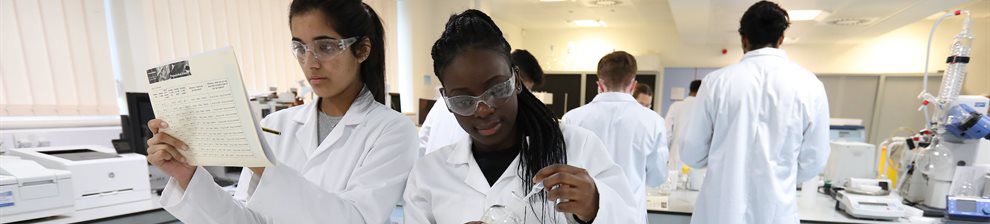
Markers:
<point>633,134</point>
<point>675,119</point>
<point>760,126</point>
<point>643,95</point>
<point>513,144</point>
<point>441,123</point>
<point>343,159</point>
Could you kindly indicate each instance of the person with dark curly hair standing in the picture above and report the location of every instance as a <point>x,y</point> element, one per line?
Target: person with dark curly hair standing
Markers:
<point>760,127</point>
<point>513,144</point>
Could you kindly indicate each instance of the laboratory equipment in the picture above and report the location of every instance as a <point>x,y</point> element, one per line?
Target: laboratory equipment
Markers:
<point>848,130</point>
<point>869,206</point>
<point>850,160</point>
<point>695,178</point>
<point>263,104</point>
<point>134,125</point>
<point>105,177</point>
<point>266,103</point>
<point>967,123</point>
<point>865,186</point>
<point>986,185</point>
<point>535,189</point>
<point>954,129</point>
<point>968,209</point>
<point>30,191</point>
<point>499,214</point>
<point>968,181</point>
<point>135,134</point>
<point>937,168</point>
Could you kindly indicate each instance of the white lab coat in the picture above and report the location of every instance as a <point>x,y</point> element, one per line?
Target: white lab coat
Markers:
<point>439,129</point>
<point>633,135</point>
<point>356,175</point>
<point>447,186</point>
<point>675,121</point>
<point>761,127</point>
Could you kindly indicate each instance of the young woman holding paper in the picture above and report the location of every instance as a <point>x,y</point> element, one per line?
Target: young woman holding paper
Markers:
<point>342,159</point>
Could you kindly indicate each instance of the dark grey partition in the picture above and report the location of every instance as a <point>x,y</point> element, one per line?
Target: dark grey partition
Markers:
<point>566,90</point>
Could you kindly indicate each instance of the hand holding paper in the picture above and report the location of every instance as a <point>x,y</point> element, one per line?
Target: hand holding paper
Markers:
<point>205,105</point>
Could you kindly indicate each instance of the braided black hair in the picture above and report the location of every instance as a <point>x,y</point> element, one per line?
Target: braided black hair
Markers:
<point>540,139</point>
<point>353,18</point>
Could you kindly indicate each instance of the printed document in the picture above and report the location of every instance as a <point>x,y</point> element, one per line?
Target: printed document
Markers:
<point>205,104</point>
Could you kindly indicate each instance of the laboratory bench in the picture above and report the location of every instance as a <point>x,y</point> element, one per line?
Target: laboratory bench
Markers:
<point>813,207</point>
<point>144,211</point>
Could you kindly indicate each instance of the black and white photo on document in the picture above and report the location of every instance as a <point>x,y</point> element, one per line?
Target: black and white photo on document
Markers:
<point>170,71</point>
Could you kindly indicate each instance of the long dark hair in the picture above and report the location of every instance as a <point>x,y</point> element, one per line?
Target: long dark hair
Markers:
<point>540,139</point>
<point>353,18</point>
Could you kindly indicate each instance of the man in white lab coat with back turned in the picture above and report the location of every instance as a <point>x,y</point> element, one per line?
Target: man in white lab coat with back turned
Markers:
<point>760,127</point>
<point>633,134</point>
<point>676,119</point>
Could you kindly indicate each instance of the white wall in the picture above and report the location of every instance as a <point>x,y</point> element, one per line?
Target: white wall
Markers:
<point>903,51</point>
<point>900,51</point>
<point>420,24</point>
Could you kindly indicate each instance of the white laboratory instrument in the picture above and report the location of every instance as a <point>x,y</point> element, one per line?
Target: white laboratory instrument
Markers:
<point>953,132</point>
<point>103,176</point>
<point>865,186</point>
<point>695,178</point>
<point>30,191</point>
<point>850,160</point>
<point>869,206</point>
<point>848,130</point>
<point>268,102</point>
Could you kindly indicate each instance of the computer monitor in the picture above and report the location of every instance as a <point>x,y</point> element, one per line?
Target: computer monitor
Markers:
<point>396,101</point>
<point>135,128</point>
<point>425,105</point>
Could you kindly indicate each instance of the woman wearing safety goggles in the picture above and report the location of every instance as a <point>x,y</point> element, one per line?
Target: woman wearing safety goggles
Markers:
<point>343,158</point>
<point>514,146</point>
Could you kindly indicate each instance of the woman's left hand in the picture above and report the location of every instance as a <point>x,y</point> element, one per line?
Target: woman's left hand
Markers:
<point>575,188</point>
<point>258,170</point>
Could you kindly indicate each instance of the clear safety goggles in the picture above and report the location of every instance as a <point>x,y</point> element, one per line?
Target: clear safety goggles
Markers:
<point>467,105</point>
<point>323,49</point>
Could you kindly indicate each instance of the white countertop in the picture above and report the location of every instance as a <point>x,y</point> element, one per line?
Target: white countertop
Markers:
<point>102,212</point>
<point>812,206</point>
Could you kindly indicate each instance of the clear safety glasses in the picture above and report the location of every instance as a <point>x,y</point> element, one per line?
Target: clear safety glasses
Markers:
<point>323,49</point>
<point>467,105</point>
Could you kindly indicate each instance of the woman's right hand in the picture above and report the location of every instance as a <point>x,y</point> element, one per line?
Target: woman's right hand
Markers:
<point>163,152</point>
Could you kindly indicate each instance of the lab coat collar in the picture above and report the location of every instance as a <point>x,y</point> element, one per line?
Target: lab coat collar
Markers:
<point>354,115</point>
<point>306,134</point>
<point>766,51</point>
<point>613,97</point>
<point>461,153</point>
<point>462,158</point>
